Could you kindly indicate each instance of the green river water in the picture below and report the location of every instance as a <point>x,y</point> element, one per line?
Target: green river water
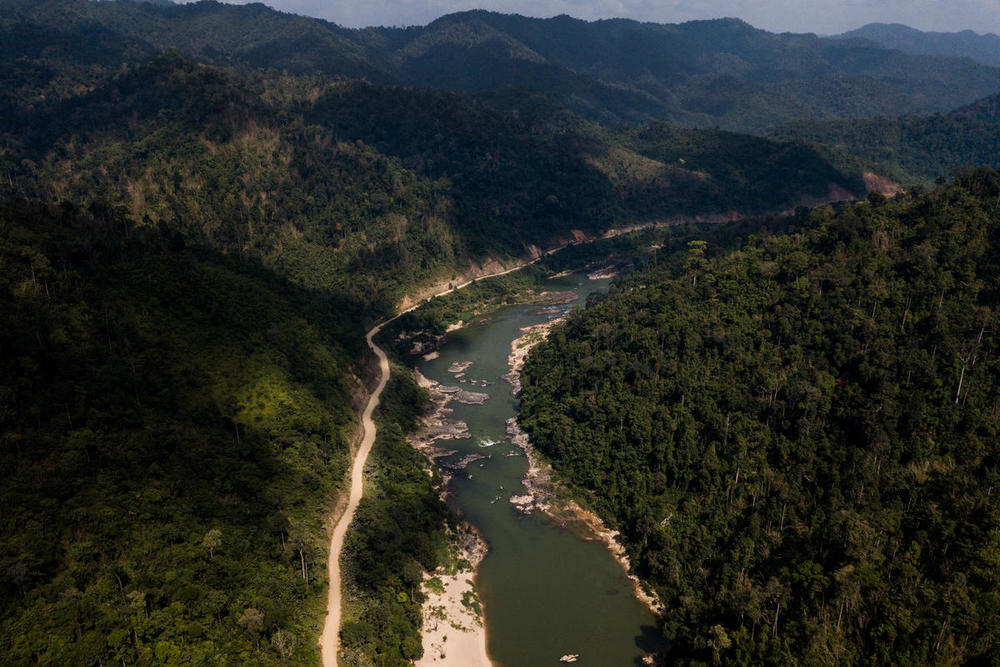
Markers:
<point>547,592</point>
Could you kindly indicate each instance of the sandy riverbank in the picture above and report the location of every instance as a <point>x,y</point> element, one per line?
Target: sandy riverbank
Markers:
<point>453,631</point>
<point>453,634</point>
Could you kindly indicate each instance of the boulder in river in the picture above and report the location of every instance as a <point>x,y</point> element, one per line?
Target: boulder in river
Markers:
<point>470,397</point>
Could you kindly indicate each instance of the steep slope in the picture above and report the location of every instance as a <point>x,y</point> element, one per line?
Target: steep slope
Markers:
<point>690,69</point>
<point>176,425</point>
<point>540,181</point>
<point>203,152</point>
<point>911,150</point>
<point>225,236</point>
<point>981,48</point>
<point>369,190</point>
<point>798,438</point>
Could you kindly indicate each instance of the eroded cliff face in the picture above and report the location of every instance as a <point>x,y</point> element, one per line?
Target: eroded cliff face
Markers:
<point>876,183</point>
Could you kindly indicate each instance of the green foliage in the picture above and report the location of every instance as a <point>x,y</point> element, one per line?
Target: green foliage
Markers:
<point>746,174</point>
<point>397,534</point>
<point>798,438</point>
<point>205,154</point>
<point>367,192</point>
<point>175,427</point>
<point>911,150</point>
<point>181,345</point>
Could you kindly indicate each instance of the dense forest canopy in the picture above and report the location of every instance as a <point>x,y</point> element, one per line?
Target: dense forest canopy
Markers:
<point>798,437</point>
<point>175,426</point>
<point>918,149</point>
<point>367,190</point>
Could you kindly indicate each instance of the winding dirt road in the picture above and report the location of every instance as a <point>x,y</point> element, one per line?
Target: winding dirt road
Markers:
<point>330,638</point>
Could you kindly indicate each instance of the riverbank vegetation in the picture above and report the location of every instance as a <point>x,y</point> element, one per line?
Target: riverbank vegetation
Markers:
<point>418,332</point>
<point>798,438</point>
<point>398,533</point>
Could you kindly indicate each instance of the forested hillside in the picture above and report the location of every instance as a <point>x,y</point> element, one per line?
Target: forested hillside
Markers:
<point>175,429</point>
<point>722,73</point>
<point>367,190</point>
<point>912,150</point>
<point>798,436</point>
<point>196,301</point>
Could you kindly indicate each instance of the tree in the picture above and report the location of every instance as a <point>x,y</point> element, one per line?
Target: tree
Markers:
<point>213,539</point>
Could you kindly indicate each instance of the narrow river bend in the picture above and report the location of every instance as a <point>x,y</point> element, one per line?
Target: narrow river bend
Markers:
<point>547,591</point>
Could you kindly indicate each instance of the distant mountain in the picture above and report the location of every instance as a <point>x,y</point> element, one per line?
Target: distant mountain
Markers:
<point>722,73</point>
<point>981,48</point>
<point>911,150</point>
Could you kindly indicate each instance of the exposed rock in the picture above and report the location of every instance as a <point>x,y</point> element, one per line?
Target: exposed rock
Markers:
<point>463,462</point>
<point>470,397</point>
<point>514,378</point>
<point>525,504</point>
<point>603,273</point>
<point>459,367</point>
<point>556,298</point>
<point>437,425</point>
<point>439,453</point>
<point>519,349</point>
<point>538,481</point>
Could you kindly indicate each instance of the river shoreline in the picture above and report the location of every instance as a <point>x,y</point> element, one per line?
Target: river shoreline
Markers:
<point>453,633</point>
<point>329,638</point>
<point>543,493</point>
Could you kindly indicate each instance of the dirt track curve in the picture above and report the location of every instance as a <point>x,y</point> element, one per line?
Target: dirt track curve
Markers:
<point>329,640</point>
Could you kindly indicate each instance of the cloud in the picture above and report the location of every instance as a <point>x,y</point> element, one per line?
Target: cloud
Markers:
<point>820,16</point>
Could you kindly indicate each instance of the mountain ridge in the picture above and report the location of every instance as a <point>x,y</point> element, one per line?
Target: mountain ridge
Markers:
<point>984,48</point>
<point>668,72</point>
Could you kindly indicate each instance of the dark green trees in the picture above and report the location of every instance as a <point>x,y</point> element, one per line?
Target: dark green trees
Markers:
<point>799,439</point>
<point>175,427</point>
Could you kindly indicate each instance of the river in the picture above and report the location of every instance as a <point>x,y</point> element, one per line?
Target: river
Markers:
<point>547,591</point>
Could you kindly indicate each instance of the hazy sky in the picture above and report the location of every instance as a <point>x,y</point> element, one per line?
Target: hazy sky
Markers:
<point>819,16</point>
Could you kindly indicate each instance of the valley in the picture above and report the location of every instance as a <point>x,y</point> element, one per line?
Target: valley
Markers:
<point>548,588</point>
<point>244,252</point>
